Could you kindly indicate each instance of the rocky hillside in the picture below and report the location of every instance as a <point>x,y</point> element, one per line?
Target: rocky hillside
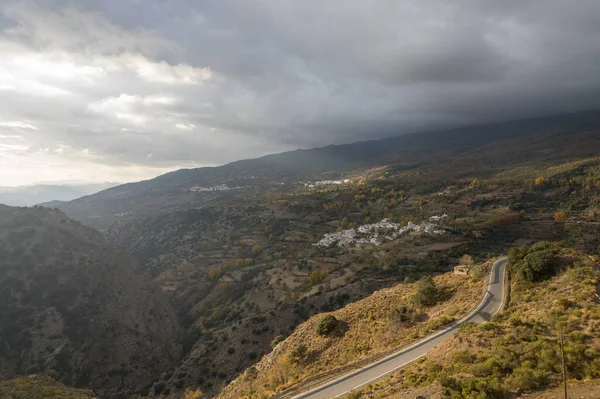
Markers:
<point>472,150</point>
<point>40,387</point>
<point>73,307</point>
<point>242,273</point>
<point>373,326</point>
<point>553,289</point>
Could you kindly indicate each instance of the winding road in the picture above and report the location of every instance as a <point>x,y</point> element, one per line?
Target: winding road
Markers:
<point>490,304</point>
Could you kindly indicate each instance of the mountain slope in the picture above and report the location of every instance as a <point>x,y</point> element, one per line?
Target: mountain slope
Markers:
<point>519,351</point>
<point>40,387</point>
<point>438,154</point>
<point>73,306</point>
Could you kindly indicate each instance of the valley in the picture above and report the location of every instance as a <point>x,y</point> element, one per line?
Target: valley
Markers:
<point>242,261</point>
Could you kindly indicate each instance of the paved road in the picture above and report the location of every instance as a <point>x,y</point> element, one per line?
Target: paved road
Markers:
<point>489,306</point>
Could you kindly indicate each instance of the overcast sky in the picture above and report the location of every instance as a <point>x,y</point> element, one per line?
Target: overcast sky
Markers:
<point>122,90</point>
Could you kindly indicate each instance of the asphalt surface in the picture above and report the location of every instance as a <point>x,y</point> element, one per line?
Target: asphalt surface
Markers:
<point>489,306</point>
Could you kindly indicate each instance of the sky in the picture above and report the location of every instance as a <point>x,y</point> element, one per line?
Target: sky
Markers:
<point>124,90</point>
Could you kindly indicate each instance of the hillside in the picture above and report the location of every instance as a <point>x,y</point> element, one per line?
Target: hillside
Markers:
<point>477,150</point>
<point>241,273</point>
<point>386,320</point>
<point>40,387</point>
<point>73,307</point>
<point>518,352</point>
<point>244,263</point>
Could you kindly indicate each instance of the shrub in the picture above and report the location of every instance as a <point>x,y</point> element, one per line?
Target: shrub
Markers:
<point>326,325</point>
<point>193,394</point>
<point>534,263</point>
<point>427,292</point>
<point>560,216</point>
<point>402,315</point>
<point>277,340</point>
<point>463,356</point>
<point>316,276</point>
<point>299,352</point>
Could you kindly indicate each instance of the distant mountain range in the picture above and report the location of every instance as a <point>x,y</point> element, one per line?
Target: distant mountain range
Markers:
<point>51,194</point>
<point>473,151</point>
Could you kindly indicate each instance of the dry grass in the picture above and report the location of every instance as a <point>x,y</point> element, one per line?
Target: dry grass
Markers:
<point>367,330</point>
<point>40,387</point>
<point>523,336</point>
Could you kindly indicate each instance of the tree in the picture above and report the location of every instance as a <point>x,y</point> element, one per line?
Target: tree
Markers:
<point>560,216</point>
<point>277,340</point>
<point>299,352</point>
<point>427,292</point>
<point>256,249</point>
<point>318,275</point>
<point>539,181</point>
<point>534,263</point>
<point>214,273</point>
<point>326,325</point>
<point>192,394</point>
<point>466,259</point>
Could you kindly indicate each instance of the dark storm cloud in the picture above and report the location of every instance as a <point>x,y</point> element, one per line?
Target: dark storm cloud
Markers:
<point>164,83</point>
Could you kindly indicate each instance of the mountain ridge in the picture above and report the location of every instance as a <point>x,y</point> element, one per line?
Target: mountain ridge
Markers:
<point>546,138</point>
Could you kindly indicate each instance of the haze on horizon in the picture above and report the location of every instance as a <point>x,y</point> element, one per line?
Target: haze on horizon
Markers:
<point>124,90</point>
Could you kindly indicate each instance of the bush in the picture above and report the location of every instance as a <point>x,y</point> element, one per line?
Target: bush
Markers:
<point>463,356</point>
<point>326,325</point>
<point>534,263</point>
<point>427,293</point>
<point>299,352</point>
<point>402,315</point>
<point>277,340</point>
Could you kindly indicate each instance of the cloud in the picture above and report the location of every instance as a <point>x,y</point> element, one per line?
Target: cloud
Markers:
<point>124,85</point>
<point>18,125</point>
<point>184,126</point>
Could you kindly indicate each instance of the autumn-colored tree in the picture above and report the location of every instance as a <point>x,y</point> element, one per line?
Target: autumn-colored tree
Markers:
<point>192,394</point>
<point>539,181</point>
<point>318,275</point>
<point>560,216</point>
<point>256,249</point>
<point>248,261</point>
<point>222,287</point>
<point>214,273</point>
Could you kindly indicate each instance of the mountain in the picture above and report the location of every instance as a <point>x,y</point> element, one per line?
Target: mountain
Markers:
<point>247,252</point>
<point>74,307</point>
<point>474,150</point>
<point>517,353</point>
<point>40,387</point>
<point>48,193</point>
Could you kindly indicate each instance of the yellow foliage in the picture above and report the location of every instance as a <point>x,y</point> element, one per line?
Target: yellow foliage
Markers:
<point>316,276</point>
<point>256,249</point>
<point>214,273</point>
<point>192,394</point>
<point>560,216</point>
<point>233,263</point>
<point>222,287</point>
<point>539,181</point>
